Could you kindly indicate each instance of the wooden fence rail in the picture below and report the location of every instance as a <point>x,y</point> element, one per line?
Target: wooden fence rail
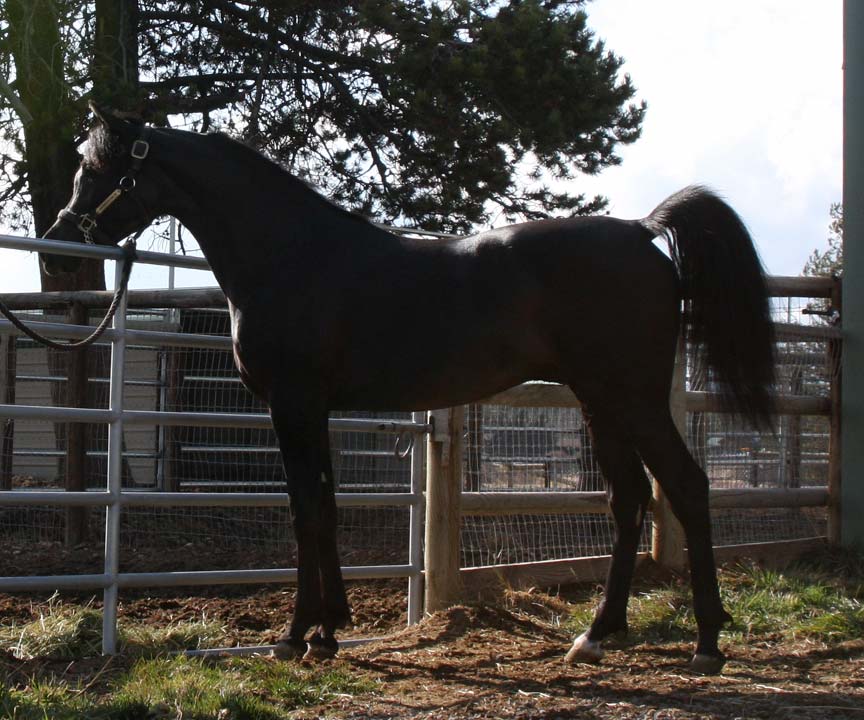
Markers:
<point>667,544</point>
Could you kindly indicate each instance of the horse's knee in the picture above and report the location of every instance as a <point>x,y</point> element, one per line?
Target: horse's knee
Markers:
<point>629,507</point>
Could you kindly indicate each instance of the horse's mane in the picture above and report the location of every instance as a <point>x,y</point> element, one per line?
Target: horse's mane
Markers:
<point>103,148</point>
<point>270,168</point>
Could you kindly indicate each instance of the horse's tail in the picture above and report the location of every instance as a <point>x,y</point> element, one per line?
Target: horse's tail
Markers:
<point>726,311</point>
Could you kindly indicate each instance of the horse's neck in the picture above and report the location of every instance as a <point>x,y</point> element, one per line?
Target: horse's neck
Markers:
<point>244,232</point>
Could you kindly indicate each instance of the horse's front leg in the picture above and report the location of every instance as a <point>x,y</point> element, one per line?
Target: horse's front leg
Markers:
<point>299,435</point>
<point>335,610</point>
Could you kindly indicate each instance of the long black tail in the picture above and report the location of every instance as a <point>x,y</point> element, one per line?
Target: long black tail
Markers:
<point>726,311</point>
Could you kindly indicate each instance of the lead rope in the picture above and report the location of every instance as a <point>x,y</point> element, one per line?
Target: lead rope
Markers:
<point>128,249</point>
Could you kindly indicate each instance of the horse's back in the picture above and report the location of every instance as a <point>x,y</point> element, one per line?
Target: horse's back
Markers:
<point>550,300</point>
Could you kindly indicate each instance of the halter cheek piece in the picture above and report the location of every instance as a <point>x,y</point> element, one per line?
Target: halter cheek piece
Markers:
<point>88,223</point>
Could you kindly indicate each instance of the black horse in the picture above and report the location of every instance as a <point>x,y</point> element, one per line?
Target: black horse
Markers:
<point>330,312</point>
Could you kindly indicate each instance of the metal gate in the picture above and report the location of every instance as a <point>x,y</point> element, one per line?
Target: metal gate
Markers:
<point>114,498</point>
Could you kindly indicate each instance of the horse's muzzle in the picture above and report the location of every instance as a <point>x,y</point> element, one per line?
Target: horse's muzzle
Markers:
<point>60,264</point>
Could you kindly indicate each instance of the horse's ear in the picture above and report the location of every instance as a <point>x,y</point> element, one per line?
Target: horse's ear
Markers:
<point>115,121</point>
<point>102,114</point>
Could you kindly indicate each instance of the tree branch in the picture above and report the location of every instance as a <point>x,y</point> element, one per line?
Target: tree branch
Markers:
<point>210,78</point>
<point>15,102</point>
<point>173,103</point>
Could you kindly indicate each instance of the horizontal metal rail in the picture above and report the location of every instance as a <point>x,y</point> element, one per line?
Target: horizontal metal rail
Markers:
<point>94,380</point>
<point>37,583</point>
<point>100,252</point>
<point>145,338</point>
<point>146,498</point>
<point>196,419</point>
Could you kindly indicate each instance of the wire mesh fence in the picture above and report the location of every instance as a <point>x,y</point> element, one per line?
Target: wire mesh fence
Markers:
<point>506,449</point>
<point>186,459</point>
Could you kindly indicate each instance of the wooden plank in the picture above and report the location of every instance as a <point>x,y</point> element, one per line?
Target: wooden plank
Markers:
<point>483,580</point>
<point>535,394</point>
<point>209,297</point>
<point>563,503</point>
<point>533,503</point>
<point>772,554</point>
<point>479,581</point>
<point>798,286</point>
<point>698,401</point>
<point>757,498</point>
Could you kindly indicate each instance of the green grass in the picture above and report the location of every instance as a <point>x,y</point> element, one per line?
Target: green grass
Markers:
<point>72,631</point>
<point>820,600</point>
<point>158,684</point>
<point>252,688</point>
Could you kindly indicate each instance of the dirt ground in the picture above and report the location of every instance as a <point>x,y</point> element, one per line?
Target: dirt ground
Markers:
<point>505,660</point>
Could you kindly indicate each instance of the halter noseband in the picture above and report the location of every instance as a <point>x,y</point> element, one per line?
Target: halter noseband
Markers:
<point>88,223</point>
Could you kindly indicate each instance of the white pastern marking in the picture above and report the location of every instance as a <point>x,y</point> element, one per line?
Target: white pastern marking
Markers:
<point>584,650</point>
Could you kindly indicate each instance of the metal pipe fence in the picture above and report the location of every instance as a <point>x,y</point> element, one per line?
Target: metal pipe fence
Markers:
<point>115,499</point>
<point>528,470</point>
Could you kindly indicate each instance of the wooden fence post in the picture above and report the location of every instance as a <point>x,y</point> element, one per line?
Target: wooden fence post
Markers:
<point>443,584</point>
<point>7,441</point>
<point>76,433</point>
<point>667,540</point>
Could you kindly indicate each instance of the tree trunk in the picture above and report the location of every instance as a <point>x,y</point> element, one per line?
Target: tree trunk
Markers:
<point>51,130</point>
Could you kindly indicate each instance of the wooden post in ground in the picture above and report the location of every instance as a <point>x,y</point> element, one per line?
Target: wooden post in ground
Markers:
<point>667,540</point>
<point>443,585</point>
<point>8,426</point>
<point>76,433</point>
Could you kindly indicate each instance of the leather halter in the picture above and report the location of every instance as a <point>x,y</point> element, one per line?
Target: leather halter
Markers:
<point>88,223</point>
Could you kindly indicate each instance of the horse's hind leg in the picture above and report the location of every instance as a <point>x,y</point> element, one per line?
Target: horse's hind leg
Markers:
<point>629,493</point>
<point>686,487</point>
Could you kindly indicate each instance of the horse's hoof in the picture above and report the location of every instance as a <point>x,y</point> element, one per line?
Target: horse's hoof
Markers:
<point>707,664</point>
<point>320,649</point>
<point>289,649</point>
<point>584,651</point>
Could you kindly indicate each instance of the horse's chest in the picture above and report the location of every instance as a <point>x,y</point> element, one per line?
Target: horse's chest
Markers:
<point>250,356</point>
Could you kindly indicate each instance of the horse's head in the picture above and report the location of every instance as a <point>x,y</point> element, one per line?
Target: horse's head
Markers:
<point>112,196</point>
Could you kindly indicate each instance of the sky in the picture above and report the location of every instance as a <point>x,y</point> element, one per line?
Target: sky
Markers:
<point>744,96</point>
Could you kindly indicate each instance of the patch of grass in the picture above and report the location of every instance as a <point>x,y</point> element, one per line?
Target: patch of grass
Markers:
<point>59,631</point>
<point>158,685</point>
<point>144,640</point>
<point>798,603</point>
<point>662,613</point>
<point>43,699</point>
<point>65,631</point>
<point>822,599</point>
<point>254,688</point>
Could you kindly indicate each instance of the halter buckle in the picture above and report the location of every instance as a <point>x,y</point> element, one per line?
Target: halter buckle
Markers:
<point>87,224</point>
<point>140,148</point>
